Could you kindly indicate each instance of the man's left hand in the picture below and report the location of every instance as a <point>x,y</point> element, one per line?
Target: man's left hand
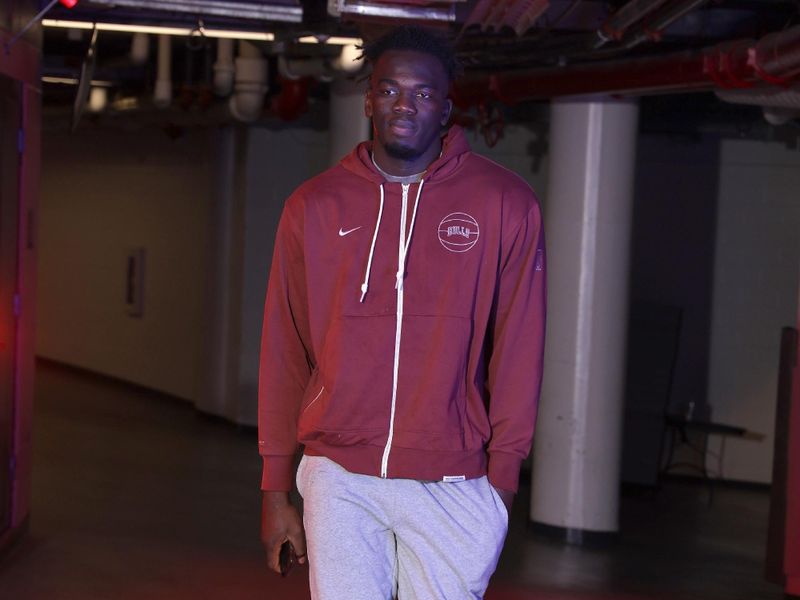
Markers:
<point>507,497</point>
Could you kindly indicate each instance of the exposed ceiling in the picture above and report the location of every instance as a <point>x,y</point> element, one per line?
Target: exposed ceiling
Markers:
<point>555,46</point>
<point>491,33</point>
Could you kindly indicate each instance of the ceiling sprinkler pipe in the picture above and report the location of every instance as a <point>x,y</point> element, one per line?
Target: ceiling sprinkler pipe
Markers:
<point>250,87</point>
<point>224,69</point>
<point>162,96</point>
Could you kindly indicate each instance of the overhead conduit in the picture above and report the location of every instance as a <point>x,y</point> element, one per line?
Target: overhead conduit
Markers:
<point>774,60</point>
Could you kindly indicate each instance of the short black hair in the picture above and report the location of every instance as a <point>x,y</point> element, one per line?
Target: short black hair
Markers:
<point>419,39</point>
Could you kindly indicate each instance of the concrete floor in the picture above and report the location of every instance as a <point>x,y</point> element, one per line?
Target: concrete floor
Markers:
<point>137,496</point>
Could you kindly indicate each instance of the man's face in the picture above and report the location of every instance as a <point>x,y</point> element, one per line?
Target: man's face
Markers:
<point>407,102</point>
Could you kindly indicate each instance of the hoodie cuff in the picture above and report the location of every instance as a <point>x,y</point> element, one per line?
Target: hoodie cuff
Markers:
<point>504,471</point>
<point>278,473</point>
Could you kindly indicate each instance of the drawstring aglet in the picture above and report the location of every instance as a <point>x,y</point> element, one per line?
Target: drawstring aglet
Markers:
<point>364,288</point>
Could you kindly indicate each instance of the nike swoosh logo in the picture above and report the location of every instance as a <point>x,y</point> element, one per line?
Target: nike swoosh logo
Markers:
<point>343,233</point>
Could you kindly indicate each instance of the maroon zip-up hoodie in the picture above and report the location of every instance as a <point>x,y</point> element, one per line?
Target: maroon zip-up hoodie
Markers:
<point>404,324</point>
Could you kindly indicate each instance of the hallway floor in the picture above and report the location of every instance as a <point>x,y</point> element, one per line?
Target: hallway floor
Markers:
<point>136,496</point>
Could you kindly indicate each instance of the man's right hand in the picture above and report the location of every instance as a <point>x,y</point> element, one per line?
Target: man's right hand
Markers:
<point>281,521</point>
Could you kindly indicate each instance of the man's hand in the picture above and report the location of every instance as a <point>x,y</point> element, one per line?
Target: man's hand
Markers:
<point>280,521</point>
<point>507,497</point>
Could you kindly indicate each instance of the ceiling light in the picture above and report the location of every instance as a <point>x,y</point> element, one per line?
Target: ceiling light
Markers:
<point>73,81</point>
<point>189,31</point>
<point>162,30</point>
<point>334,40</point>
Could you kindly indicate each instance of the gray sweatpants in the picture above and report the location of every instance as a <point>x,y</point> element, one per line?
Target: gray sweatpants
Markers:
<point>377,539</point>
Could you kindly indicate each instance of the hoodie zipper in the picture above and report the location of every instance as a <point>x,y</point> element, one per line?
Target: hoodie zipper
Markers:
<point>401,260</point>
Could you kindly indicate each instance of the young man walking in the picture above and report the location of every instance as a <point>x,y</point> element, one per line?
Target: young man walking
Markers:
<point>402,347</point>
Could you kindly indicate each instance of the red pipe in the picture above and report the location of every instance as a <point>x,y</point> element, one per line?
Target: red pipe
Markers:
<point>292,101</point>
<point>774,60</point>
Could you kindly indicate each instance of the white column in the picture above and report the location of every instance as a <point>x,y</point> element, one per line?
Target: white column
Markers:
<point>348,124</point>
<point>576,467</point>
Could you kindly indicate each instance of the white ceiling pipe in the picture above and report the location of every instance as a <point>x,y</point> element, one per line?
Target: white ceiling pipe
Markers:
<point>224,69</point>
<point>250,86</point>
<point>140,48</point>
<point>322,69</point>
<point>249,50</point>
<point>162,97</point>
<point>296,68</point>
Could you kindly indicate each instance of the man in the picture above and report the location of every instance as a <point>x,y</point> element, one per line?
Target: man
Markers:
<point>402,346</point>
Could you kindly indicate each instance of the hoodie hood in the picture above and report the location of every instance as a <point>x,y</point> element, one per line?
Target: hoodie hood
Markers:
<point>455,149</point>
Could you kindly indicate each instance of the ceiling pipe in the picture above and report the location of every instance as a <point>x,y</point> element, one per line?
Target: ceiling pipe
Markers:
<point>779,105</point>
<point>247,102</point>
<point>324,69</point>
<point>162,95</point>
<point>140,48</point>
<point>633,24</point>
<point>773,60</point>
<point>298,68</point>
<point>223,68</point>
<point>652,28</point>
<point>615,27</point>
<point>295,77</point>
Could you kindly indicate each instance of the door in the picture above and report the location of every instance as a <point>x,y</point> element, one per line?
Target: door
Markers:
<point>10,103</point>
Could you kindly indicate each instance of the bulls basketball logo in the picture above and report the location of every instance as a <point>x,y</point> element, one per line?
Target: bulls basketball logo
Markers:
<point>458,232</point>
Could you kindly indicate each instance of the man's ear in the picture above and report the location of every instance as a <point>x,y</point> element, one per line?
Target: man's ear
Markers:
<point>368,104</point>
<point>448,108</point>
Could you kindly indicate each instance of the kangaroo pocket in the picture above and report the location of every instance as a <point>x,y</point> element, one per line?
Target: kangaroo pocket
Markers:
<point>430,411</point>
<point>356,373</point>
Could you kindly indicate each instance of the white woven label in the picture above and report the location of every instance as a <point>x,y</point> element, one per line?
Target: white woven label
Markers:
<point>453,478</point>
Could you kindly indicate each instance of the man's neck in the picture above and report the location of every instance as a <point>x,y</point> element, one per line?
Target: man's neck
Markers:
<point>404,168</point>
<point>415,178</point>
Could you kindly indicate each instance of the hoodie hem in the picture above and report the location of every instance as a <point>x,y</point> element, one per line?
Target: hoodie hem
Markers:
<point>406,463</point>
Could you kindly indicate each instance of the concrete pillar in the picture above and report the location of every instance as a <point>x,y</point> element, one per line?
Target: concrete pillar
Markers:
<point>575,490</point>
<point>222,303</point>
<point>348,124</point>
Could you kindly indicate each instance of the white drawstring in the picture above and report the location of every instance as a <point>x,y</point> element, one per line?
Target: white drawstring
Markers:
<point>401,273</point>
<point>365,285</point>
